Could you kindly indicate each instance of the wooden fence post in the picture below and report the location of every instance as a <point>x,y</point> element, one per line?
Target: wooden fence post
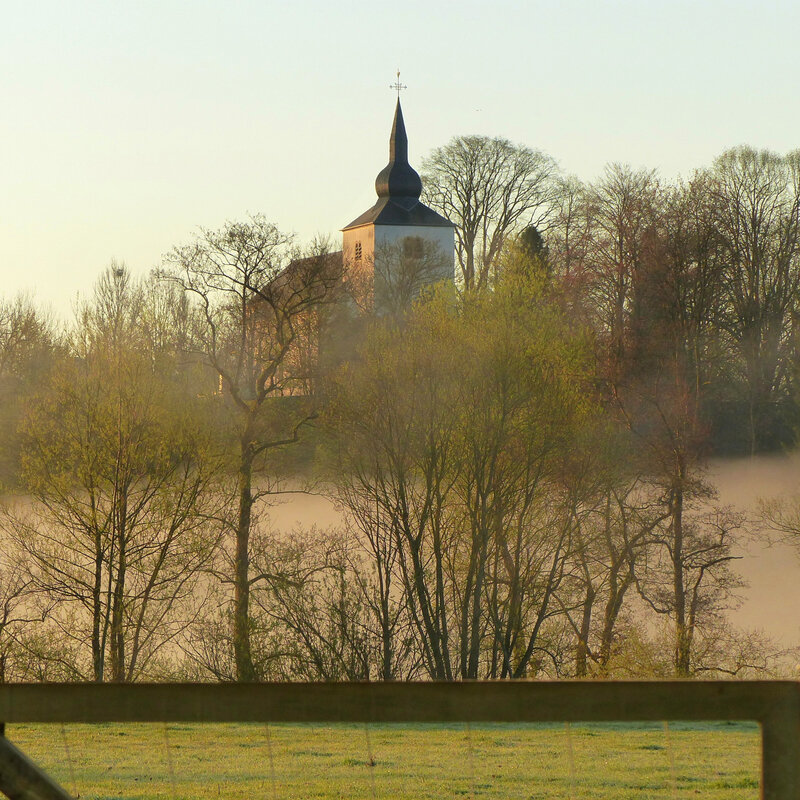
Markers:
<point>780,747</point>
<point>21,779</point>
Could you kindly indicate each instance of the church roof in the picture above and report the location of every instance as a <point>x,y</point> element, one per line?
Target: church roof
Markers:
<point>388,212</point>
<point>325,270</point>
<point>399,186</point>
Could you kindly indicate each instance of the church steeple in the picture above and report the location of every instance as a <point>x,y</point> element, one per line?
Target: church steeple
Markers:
<point>399,242</point>
<point>399,187</point>
<point>398,180</point>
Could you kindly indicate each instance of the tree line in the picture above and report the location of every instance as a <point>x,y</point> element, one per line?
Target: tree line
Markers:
<point>516,460</point>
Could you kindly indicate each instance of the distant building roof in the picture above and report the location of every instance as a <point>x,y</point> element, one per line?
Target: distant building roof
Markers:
<point>325,269</point>
<point>399,186</point>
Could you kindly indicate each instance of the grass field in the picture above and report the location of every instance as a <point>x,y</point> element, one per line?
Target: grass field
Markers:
<point>620,761</point>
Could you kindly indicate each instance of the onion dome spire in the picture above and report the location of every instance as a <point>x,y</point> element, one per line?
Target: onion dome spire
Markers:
<point>398,180</point>
<point>399,186</point>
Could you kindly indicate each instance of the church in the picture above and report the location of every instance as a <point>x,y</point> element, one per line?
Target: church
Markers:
<point>389,255</point>
<point>399,245</point>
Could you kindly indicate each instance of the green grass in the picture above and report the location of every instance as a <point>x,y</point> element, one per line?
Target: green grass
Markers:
<point>401,762</point>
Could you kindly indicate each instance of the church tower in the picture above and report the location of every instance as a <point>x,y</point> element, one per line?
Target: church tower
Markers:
<point>391,251</point>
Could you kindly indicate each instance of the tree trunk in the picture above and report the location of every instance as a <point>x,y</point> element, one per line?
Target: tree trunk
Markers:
<point>245,669</point>
<point>582,647</point>
<point>475,616</point>
<point>118,603</point>
<point>117,617</point>
<point>682,643</point>
<point>97,610</point>
<point>616,595</point>
<point>387,639</point>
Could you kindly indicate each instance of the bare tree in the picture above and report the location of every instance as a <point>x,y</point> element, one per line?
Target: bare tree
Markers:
<point>119,525</point>
<point>21,608</point>
<point>758,218</point>
<point>689,579</point>
<point>569,233</point>
<point>25,335</point>
<point>28,346</point>
<point>309,596</point>
<point>781,515</point>
<point>623,210</point>
<point>446,465</point>
<point>489,189</point>
<point>374,558</point>
<point>520,411</point>
<point>612,511</point>
<point>254,296</point>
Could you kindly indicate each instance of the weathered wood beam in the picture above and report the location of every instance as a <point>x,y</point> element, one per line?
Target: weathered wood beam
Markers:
<point>473,701</point>
<point>774,704</point>
<point>21,779</point>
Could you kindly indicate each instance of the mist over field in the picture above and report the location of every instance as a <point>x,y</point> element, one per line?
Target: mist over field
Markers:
<point>771,600</point>
<point>771,568</point>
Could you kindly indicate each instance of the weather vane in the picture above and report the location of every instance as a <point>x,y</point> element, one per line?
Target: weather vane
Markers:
<point>397,85</point>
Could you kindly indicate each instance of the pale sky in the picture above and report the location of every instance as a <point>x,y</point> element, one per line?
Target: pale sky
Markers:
<point>125,125</point>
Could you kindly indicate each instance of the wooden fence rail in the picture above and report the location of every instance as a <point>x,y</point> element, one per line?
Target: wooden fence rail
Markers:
<point>773,704</point>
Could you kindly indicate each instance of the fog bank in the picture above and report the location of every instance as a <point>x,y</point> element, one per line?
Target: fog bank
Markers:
<point>772,600</point>
<point>770,603</point>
